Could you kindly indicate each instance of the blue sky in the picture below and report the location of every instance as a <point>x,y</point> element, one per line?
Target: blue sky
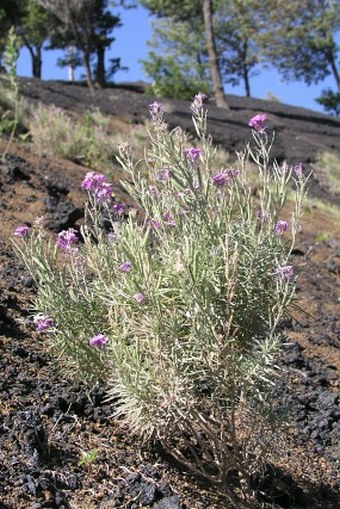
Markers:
<point>130,45</point>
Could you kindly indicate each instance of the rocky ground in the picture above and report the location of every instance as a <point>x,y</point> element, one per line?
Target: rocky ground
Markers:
<point>48,422</point>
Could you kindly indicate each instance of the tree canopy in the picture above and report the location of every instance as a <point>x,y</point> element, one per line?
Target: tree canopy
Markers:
<point>85,25</point>
<point>32,23</point>
<point>297,38</point>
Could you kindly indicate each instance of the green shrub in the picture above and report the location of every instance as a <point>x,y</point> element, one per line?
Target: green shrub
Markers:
<point>328,164</point>
<point>177,308</point>
<point>10,102</point>
<point>171,79</point>
<point>87,140</point>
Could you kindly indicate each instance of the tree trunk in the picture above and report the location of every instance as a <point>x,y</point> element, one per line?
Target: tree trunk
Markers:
<point>334,68</point>
<point>36,63</point>
<point>35,60</point>
<point>86,63</point>
<point>245,69</point>
<point>70,64</point>
<point>212,55</point>
<point>100,71</point>
<point>246,80</point>
<point>35,55</point>
<point>82,46</point>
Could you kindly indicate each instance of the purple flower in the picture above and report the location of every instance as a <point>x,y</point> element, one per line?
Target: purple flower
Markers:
<point>119,208</point>
<point>163,175</point>
<point>197,103</point>
<point>200,97</point>
<point>98,341</point>
<point>96,184</point>
<point>196,185</point>
<point>125,266</point>
<point>262,216</point>
<point>298,170</point>
<point>280,227</point>
<point>104,192</point>
<point>256,122</point>
<point>285,272</point>
<point>67,238</point>
<point>234,172</point>
<point>192,154</point>
<point>224,177</point>
<point>221,179</point>
<point>139,298</point>
<point>42,322</point>
<point>169,220</point>
<point>39,221</point>
<point>93,181</point>
<point>71,251</point>
<point>153,191</point>
<point>154,224</point>
<point>22,231</point>
<point>155,108</point>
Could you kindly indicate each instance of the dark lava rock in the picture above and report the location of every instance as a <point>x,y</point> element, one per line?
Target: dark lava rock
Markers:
<point>57,189</point>
<point>334,265</point>
<point>65,216</point>
<point>14,168</point>
<point>168,503</point>
<point>31,427</point>
<point>314,407</point>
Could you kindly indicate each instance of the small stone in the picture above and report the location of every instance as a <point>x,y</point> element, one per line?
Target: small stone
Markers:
<point>168,503</point>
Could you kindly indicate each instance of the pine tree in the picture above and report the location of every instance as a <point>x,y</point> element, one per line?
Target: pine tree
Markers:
<point>187,11</point>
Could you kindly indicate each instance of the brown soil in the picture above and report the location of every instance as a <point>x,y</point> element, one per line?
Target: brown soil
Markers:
<point>48,421</point>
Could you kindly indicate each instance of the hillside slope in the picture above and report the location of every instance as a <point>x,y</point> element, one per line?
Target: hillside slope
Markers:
<point>49,421</point>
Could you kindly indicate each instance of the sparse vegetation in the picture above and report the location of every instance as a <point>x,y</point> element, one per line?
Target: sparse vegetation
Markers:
<point>329,164</point>
<point>9,91</point>
<point>86,140</point>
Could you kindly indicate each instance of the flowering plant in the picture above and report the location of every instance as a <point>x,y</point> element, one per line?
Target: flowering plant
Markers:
<point>177,308</point>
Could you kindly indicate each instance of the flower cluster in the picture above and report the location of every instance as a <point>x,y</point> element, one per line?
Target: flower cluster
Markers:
<point>96,184</point>
<point>224,177</point>
<point>298,170</point>
<point>192,154</point>
<point>66,239</point>
<point>262,216</point>
<point>22,231</point>
<point>99,341</point>
<point>163,175</point>
<point>197,104</point>
<point>153,192</point>
<point>285,272</point>
<point>280,227</point>
<point>154,223</point>
<point>256,122</point>
<point>125,266</point>
<point>42,322</point>
<point>155,108</point>
<point>39,221</point>
<point>169,220</point>
<point>119,208</point>
<point>156,111</point>
<point>139,297</point>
